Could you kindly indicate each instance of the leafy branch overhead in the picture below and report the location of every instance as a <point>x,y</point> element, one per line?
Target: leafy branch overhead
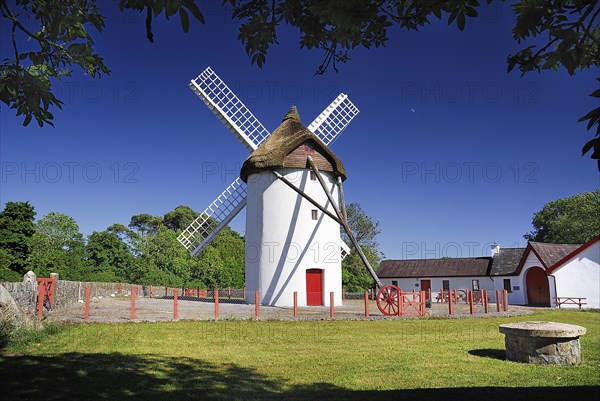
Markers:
<point>555,34</point>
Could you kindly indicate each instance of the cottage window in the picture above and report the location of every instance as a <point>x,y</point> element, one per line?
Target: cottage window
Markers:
<point>507,285</point>
<point>475,285</point>
<point>395,283</point>
<point>313,176</point>
<point>446,285</point>
<point>314,214</point>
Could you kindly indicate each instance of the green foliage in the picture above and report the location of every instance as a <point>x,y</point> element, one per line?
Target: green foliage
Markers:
<point>16,232</point>
<point>179,218</point>
<point>56,32</point>
<point>355,276</point>
<point>58,247</point>
<point>108,258</point>
<point>571,41</point>
<point>571,220</point>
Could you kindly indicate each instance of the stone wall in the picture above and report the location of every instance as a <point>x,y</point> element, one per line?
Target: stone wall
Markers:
<point>67,293</point>
<point>24,294</point>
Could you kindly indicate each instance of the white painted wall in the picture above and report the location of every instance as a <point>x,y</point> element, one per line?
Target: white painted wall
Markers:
<point>282,240</point>
<point>580,277</point>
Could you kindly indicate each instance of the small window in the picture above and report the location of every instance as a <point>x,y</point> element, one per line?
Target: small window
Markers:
<point>313,176</point>
<point>395,283</point>
<point>308,148</point>
<point>507,285</point>
<point>475,285</point>
<point>446,285</point>
<point>314,214</point>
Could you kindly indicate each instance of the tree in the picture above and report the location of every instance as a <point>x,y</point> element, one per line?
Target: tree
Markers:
<point>355,276</point>
<point>571,220</point>
<point>109,259</point>
<point>565,34</point>
<point>16,232</point>
<point>58,246</point>
<point>180,217</point>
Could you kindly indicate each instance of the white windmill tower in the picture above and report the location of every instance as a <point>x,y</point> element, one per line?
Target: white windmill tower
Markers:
<point>251,133</point>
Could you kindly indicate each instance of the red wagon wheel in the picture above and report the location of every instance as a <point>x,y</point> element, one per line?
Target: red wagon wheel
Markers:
<point>388,300</point>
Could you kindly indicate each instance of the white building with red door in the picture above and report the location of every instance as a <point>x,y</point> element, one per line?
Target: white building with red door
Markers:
<point>292,246</point>
<point>535,275</point>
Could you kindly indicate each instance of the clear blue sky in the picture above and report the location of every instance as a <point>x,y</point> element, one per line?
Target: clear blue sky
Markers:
<point>449,152</point>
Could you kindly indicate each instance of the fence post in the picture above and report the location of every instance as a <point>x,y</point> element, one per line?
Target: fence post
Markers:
<point>505,300</point>
<point>366,304</point>
<point>295,303</point>
<point>455,296</point>
<point>86,305</point>
<point>256,303</point>
<point>229,293</point>
<point>343,294</point>
<point>471,302</point>
<point>400,303</point>
<point>423,300</point>
<point>429,294</point>
<point>331,306</point>
<point>175,305</point>
<point>497,301</point>
<point>244,293</point>
<point>486,302</point>
<point>216,296</point>
<point>41,297</point>
<point>150,292</point>
<point>54,277</point>
<point>133,294</point>
<point>451,308</point>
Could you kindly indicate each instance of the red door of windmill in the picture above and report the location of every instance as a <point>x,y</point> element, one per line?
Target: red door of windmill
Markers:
<point>314,287</point>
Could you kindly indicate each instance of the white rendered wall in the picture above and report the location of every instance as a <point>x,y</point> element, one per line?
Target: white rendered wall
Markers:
<point>282,240</point>
<point>580,277</point>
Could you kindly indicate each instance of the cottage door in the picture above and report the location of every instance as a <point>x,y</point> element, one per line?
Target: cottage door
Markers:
<point>538,290</point>
<point>426,286</point>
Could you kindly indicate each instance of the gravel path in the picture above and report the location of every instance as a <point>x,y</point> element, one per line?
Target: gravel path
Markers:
<point>117,309</point>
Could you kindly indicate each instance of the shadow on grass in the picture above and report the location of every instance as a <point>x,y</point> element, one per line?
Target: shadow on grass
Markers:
<point>489,353</point>
<point>76,376</point>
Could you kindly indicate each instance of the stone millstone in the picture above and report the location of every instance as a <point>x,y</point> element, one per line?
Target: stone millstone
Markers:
<point>547,343</point>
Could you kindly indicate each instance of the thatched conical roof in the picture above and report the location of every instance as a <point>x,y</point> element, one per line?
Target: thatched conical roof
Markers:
<point>286,138</point>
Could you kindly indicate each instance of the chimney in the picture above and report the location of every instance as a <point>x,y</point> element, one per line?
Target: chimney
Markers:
<point>495,249</point>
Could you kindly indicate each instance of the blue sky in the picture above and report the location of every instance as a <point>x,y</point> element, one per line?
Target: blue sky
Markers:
<point>449,153</point>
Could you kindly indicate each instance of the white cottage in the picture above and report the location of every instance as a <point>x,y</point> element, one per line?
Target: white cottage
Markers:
<point>534,275</point>
<point>291,246</point>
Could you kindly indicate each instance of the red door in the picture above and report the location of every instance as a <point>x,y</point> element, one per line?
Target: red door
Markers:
<point>426,286</point>
<point>314,287</point>
<point>538,290</point>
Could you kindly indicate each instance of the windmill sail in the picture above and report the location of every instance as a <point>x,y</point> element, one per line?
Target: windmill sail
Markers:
<point>216,216</point>
<point>334,119</point>
<point>229,109</point>
<point>251,133</point>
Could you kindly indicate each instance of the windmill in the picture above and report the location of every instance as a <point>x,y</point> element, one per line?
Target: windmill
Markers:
<point>251,133</point>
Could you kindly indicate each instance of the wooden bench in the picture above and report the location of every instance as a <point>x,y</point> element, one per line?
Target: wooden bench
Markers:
<point>570,301</point>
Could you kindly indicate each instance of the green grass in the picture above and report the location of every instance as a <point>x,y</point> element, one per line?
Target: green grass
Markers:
<point>395,359</point>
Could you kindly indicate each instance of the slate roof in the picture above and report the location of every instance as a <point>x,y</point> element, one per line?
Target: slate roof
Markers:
<point>450,267</point>
<point>550,254</point>
<point>287,137</point>
<point>506,261</point>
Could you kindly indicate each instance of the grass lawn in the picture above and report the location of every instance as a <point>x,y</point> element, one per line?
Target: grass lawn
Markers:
<point>359,360</point>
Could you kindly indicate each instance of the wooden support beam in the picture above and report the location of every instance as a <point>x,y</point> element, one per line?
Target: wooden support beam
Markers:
<point>343,222</point>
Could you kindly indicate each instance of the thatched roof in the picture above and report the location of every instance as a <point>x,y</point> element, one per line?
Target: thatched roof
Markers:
<point>286,138</point>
